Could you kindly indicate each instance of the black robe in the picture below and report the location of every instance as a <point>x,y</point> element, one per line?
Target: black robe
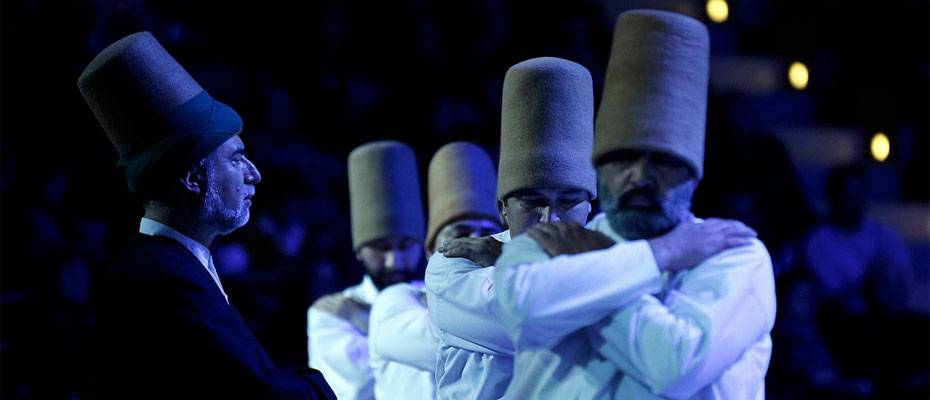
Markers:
<point>164,329</point>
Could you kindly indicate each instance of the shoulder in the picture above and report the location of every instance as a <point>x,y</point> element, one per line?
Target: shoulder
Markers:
<point>436,259</point>
<point>398,297</point>
<point>401,289</point>
<point>522,242</point>
<point>437,262</point>
<point>330,302</point>
<point>754,254</point>
<point>326,310</point>
<point>744,266</point>
<point>338,305</point>
<point>151,250</point>
<point>152,259</point>
<point>164,278</point>
<point>598,223</point>
<point>441,269</point>
<point>520,250</point>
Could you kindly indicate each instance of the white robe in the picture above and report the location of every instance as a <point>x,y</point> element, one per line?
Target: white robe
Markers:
<point>402,344</point>
<point>339,350</point>
<point>607,324</point>
<point>475,359</point>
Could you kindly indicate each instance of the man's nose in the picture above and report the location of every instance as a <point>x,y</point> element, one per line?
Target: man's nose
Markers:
<point>253,176</point>
<point>640,173</point>
<point>390,260</point>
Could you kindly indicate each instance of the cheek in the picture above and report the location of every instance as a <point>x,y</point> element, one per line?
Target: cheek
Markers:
<point>373,262</point>
<point>578,213</point>
<point>610,190</point>
<point>680,198</point>
<point>525,217</point>
<point>618,188</point>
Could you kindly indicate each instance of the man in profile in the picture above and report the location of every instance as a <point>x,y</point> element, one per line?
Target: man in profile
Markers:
<point>165,327</point>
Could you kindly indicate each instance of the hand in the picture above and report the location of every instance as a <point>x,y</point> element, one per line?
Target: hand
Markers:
<point>691,242</point>
<point>347,308</point>
<point>566,237</point>
<point>482,251</point>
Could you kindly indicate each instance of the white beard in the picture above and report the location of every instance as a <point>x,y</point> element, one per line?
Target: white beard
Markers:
<point>213,212</point>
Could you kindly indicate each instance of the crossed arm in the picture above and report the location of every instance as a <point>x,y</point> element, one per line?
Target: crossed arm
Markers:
<point>715,318</point>
<point>463,306</point>
<point>340,351</point>
<point>676,346</point>
<point>401,330</point>
<point>542,300</point>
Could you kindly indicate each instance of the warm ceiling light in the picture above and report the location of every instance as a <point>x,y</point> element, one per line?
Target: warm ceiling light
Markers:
<point>718,10</point>
<point>880,146</point>
<point>798,75</point>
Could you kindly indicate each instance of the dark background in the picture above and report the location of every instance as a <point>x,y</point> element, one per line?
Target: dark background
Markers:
<point>313,80</point>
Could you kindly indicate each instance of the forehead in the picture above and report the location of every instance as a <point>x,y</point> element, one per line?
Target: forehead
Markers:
<point>231,145</point>
<point>652,156</point>
<point>473,223</point>
<point>550,192</point>
<point>389,241</point>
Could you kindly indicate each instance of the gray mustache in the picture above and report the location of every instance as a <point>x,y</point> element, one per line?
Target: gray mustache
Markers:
<point>643,193</point>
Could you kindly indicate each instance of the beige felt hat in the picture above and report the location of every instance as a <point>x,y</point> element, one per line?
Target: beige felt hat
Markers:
<point>547,119</point>
<point>384,192</point>
<point>155,114</point>
<point>655,90</point>
<point>461,185</point>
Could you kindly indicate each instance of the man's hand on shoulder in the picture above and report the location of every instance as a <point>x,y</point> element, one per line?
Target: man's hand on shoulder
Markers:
<point>690,243</point>
<point>482,251</point>
<point>347,308</point>
<point>567,237</point>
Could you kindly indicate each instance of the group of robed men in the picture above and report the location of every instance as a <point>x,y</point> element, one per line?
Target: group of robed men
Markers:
<point>524,296</point>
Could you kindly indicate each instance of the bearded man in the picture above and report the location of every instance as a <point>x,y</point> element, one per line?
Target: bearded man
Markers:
<point>165,327</point>
<point>387,236</point>
<point>612,311</point>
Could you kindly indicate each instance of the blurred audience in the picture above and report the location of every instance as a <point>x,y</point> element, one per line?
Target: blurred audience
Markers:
<point>849,327</point>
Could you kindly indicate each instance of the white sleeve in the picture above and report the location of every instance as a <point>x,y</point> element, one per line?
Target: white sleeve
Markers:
<point>400,329</point>
<point>542,300</point>
<point>461,302</point>
<point>340,352</point>
<point>706,323</point>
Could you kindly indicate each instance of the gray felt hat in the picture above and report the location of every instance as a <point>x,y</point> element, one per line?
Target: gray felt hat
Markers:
<point>157,117</point>
<point>655,91</point>
<point>547,127</point>
<point>384,192</point>
<point>461,185</point>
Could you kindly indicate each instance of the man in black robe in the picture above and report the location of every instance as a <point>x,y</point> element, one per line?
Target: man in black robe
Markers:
<point>165,327</point>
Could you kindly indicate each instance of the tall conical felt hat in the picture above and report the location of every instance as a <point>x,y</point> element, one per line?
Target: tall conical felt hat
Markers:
<point>547,119</point>
<point>384,192</point>
<point>655,91</point>
<point>461,185</point>
<point>157,117</point>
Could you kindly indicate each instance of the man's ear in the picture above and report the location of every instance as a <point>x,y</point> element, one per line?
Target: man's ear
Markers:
<point>194,179</point>
<point>502,209</point>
